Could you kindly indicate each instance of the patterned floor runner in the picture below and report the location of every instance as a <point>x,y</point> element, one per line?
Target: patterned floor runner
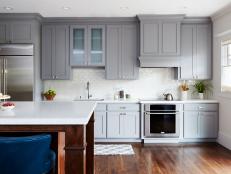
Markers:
<point>113,149</point>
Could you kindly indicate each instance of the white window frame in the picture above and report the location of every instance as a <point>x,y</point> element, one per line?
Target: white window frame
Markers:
<point>225,62</point>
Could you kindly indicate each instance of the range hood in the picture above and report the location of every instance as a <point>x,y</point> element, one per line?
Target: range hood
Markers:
<point>160,37</point>
<point>159,62</point>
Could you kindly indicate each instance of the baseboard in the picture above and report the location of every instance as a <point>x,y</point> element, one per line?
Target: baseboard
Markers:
<point>224,140</point>
<point>117,140</point>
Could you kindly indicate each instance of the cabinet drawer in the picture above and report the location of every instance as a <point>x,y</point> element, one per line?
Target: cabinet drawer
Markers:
<point>101,107</point>
<point>123,107</point>
<point>200,107</point>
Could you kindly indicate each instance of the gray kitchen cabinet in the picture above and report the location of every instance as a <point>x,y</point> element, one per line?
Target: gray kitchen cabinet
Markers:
<point>160,40</point>
<point>130,125</point>
<point>114,125</point>
<point>123,121</point>
<point>55,52</point>
<point>208,123</point>
<point>123,125</point>
<point>150,38</point>
<point>16,32</point>
<point>121,53</point>
<point>100,124</point>
<point>87,45</point>
<point>191,125</point>
<point>4,34</point>
<point>196,58</point>
<point>200,121</point>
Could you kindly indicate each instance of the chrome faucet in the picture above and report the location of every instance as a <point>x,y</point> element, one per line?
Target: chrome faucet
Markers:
<point>88,91</point>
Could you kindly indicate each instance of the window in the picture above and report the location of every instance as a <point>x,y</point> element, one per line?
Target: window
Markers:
<point>226,66</point>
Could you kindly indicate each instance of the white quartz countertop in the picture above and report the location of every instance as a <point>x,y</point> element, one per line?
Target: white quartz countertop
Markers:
<point>48,113</point>
<point>179,101</point>
<point>158,101</point>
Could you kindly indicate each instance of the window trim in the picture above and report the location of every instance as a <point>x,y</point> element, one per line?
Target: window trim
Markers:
<point>225,62</point>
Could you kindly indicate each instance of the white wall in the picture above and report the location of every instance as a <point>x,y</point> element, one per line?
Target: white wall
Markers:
<point>152,83</point>
<point>222,31</point>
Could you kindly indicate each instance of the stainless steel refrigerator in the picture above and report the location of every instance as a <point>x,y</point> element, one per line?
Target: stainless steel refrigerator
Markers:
<point>17,71</point>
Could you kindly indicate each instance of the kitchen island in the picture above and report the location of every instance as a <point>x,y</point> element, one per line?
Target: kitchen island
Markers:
<point>74,121</point>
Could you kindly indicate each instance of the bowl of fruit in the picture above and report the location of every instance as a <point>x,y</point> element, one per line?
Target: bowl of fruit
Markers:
<point>7,106</point>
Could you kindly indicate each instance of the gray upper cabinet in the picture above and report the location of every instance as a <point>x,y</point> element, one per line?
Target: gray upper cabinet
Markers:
<point>160,40</point>
<point>150,38</point>
<point>55,52</point>
<point>121,62</point>
<point>4,34</point>
<point>196,55</point>
<point>87,45</point>
<point>16,32</point>
<point>170,38</point>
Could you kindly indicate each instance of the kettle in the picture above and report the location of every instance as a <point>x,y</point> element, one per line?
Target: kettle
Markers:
<point>168,97</point>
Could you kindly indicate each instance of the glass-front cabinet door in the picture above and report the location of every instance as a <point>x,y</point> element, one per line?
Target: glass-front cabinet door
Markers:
<point>78,45</point>
<point>87,45</point>
<point>96,45</point>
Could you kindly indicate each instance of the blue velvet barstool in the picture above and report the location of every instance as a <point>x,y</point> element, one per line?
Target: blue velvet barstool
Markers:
<point>26,155</point>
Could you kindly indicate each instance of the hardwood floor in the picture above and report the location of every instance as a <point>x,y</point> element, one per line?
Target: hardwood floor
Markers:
<point>168,159</point>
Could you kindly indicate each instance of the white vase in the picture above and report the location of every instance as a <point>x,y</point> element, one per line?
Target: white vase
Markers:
<point>201,96</point>
<point>184,95</point>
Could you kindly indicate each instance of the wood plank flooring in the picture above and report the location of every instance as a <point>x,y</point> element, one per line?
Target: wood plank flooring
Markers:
<point>208,158</point>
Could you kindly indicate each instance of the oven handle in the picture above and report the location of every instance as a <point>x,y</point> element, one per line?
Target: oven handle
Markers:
<point>169,113</point>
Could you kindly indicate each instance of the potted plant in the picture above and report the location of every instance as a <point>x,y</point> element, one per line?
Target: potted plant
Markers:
<point>184,91</point>
<point>201,88</point>
<point>50,94</point>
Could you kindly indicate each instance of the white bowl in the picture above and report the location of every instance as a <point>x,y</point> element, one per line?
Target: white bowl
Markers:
<point>7,108</point>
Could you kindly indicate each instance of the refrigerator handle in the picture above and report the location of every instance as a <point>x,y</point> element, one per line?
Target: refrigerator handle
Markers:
<point>4,76</point>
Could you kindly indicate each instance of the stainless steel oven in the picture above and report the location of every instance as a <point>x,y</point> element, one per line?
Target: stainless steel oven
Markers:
<point>161,120</point>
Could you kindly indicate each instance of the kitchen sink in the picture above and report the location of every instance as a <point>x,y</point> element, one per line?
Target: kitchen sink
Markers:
<point>91,99</point>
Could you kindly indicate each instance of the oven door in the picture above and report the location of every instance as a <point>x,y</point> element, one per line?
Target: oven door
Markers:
<point>162,124</point>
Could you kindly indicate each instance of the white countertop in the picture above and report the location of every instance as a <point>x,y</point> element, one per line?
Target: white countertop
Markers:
<point>157,101</point>
<point>179,101</point>
<point>49,113</point>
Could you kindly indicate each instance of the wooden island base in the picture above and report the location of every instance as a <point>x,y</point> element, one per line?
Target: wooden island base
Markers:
<point>76,156</point>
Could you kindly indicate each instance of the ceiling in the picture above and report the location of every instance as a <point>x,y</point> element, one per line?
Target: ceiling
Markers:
<point>112,8</point>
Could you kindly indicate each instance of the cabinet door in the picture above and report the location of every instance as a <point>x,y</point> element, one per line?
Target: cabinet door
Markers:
<point>113,46</point>
<point>60,63</point>
<point>170,38</point>
<point>149,38</point>
<point>128,66</point>
<point>4,34</point>
<point>130,124</point>
<point>191,125</point>
<point>208,123</point>
<point>187,49</point>
<point>96,45</point>
<point>78,45</point>
<point>47,47</point>
<point>21,32</point>
<point>114,129</point>
<point>100,124</point>
<point>203,52</point>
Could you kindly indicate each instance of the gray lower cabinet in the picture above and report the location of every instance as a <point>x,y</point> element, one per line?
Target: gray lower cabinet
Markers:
<point>123,125</point>
<point>55,52</point>
<point>201,122</point>
<point>117,121</point>
<point>100,124</point>
<point>121,56</point>
<point>16,32</point>
<point>196,57</point>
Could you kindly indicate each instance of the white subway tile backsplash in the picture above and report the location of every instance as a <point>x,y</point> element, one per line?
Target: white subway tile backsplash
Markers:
<point>152,83</point>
